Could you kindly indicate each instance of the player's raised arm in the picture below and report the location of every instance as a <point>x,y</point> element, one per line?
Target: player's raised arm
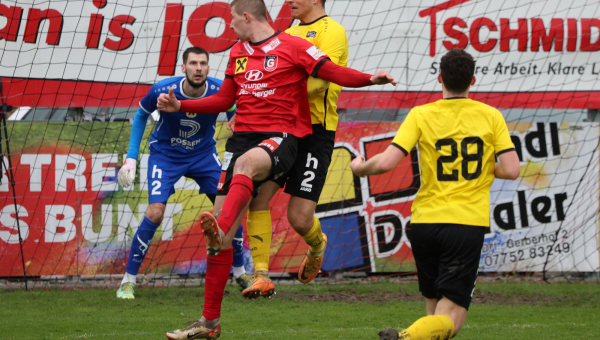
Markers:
<point>217,103</point>
<point>349,77</point>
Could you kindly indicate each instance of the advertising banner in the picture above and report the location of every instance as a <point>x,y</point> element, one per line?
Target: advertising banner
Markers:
<point>76,220</point>
<point>101,53</point>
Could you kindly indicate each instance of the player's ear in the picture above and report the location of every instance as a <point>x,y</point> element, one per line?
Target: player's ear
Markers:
<point>183,68</point>
<point>473,81</point>
<point>439,77</point>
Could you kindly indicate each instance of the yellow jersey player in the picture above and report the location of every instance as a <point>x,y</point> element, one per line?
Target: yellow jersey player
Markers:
<point>306,179</point>
<point>458,141</point>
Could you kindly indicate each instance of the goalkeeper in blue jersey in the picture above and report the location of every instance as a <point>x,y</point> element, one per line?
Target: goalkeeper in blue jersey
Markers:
<point>182,144</point>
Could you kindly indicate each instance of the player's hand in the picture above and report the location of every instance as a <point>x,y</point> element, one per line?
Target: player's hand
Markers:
<point>231,123</point>
<point>168,102</point>
<point>356,165</point>
<point>383,77</point>
<point>127,173</point>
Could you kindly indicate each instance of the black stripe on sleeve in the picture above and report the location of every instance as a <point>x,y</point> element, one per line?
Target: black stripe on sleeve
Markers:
<point>504,151</point>
<point>401,149</point>
<point>316,69</point>
<point>228,76</point>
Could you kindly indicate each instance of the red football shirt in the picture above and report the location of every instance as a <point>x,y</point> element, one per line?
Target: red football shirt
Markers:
<point>271,76</point>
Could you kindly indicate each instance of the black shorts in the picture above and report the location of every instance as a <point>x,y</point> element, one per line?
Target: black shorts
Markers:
<point>281,147</point>
<point>307,177</point>
<point>447,258</point>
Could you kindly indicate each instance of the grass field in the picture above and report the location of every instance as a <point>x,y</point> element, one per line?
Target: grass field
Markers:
<point>316,311</point>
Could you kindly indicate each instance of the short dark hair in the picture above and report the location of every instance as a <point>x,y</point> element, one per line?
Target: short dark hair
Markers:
<point>257,8</point>
<point>323,2</point>
<point>457,68</point>
<point>195,50</point>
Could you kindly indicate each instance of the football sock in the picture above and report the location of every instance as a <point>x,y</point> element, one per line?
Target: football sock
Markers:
<point>129,278</point>
<point>259,229</point>
<point>140,245</point>
<point>238,271</point>
<point>238,196</point>
<point>314,238</point>
<point>429,327</point>
<point>238,252</point>
<point>218,268</point>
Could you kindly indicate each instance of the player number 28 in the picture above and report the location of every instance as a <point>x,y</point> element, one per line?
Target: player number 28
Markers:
<point>466,158</point>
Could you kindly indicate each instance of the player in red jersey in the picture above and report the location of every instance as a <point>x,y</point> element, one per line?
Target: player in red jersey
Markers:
<point>266,77</point>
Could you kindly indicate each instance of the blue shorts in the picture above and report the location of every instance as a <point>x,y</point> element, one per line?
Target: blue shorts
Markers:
<point>164,172</point>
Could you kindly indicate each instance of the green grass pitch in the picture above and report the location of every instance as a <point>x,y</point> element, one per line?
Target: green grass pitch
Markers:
<point>315,311</point>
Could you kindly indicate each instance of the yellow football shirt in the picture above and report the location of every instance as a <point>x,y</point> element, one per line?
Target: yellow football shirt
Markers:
<point>329,37</point>
<point>458,140</point>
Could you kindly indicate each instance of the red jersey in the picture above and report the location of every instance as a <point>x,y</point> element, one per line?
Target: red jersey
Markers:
<point>271,76</point>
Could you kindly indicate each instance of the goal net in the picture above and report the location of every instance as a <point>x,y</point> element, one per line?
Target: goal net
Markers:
<point>75,71</point>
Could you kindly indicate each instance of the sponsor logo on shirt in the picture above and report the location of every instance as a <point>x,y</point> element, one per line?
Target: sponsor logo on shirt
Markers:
<point>190,123</point>
<point>311,34</point>
<point>258,94</point>
<point>184,143</point>
<point>254,86</point>
<point>254,75</point>
<point>271,46</point>
<point>270,63</point>
<point>271,143</point>
<point>316,53</point>
<point>240,65</point>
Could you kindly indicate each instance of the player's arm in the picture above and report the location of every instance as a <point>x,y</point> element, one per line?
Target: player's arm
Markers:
<point>406,139</point>
<point>220,102</point>
<point>127,172</point>
<point>231,118</point>
<point>508,166</point>
<point>348,77</point>
<point>378,164</point>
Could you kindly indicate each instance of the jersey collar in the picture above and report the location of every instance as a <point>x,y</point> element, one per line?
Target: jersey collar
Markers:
<point>263,41</point>
<point>455,98</point>
<point>188,97</point>
<point>310,23</point>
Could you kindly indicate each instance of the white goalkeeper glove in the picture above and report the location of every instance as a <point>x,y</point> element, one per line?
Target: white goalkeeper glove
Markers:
<point>127,173</point>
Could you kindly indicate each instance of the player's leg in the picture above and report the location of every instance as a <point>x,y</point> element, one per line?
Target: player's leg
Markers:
<point>259,229</point>
<point>239,272</point>
<point>206,171</point>
<point>301,217</point>
<point>273,154</point>
<point>218,268</point>
<point>305,184</point>
<point>161,187</point>
<point>459,252</point>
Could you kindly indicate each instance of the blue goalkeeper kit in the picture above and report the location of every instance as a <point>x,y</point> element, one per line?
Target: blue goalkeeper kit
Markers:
<point>182,144</point>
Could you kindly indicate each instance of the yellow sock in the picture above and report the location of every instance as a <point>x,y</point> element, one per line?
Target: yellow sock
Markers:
<point>259,229</point>
<point>314,238</point>
<point>430,327</point>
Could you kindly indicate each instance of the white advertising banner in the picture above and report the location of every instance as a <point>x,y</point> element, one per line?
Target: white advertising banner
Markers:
<point>548,220</point>
<point>519,45</point>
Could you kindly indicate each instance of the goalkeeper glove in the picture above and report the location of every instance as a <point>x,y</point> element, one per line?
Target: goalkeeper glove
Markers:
<point>127,173</point>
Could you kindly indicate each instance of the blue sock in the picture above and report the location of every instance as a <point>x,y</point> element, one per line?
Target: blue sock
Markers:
<point>140,245</point>
<point>238,248</point>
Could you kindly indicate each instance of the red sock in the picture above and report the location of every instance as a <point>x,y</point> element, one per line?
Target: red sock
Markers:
<point>238,196</point>
<point>217,273</point>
